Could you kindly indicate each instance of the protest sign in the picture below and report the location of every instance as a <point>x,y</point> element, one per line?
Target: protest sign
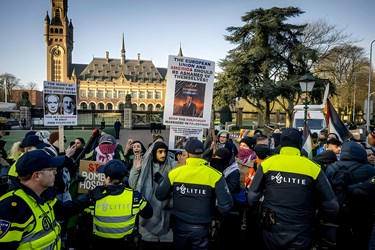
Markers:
<point>92,178</point>
<point>188,99</point>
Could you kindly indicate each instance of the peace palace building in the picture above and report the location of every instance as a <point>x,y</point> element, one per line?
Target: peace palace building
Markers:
<point>104,82</point>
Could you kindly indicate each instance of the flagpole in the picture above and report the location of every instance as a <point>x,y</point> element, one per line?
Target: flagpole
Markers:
<point>369,93</point>
<point>5,89</point>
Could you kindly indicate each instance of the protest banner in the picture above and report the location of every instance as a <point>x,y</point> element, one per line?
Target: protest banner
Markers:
<point>188,99</point>
<point>60,104</point>
<point>88,169</point>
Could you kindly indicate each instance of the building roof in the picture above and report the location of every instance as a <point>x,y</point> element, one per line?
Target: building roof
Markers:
<point>103,69</point>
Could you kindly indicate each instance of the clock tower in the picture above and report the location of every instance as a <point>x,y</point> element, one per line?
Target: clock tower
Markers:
<point>58,34</point>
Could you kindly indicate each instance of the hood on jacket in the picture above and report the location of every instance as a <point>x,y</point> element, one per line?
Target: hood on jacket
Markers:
<point>352,151</point>
<point>326,157</point>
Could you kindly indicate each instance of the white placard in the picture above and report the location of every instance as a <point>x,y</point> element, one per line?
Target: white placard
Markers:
<point>179,136</point>
<point>60,104</point>
<point>188,100</point>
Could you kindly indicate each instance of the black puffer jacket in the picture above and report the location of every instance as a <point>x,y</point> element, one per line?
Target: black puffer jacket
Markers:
<point>351,155</point>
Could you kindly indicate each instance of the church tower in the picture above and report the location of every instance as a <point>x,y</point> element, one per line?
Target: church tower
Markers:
<point>58,34</point>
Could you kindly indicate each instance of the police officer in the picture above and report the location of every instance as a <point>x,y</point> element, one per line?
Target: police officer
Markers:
<point>196,188</point>
<point>28,212</point>
<point>290,183</point>
<point>114,216</point>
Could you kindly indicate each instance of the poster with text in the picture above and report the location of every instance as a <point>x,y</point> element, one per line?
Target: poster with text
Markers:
<point>188,99</point>
<point>60,104</point>
<point>88,169</point>
<point>179,136</point>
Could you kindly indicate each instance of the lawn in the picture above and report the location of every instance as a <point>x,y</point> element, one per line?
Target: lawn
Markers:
<point>18,135</point>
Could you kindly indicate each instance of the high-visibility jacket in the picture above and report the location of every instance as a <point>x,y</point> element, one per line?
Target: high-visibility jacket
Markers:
<point>114,215</point>
<point>44,229</point>
<point>12,170</point>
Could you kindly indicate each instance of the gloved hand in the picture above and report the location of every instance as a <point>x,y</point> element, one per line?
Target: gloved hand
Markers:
<point>80,178</point>
<point>158,178</point>
<point>97,193</point>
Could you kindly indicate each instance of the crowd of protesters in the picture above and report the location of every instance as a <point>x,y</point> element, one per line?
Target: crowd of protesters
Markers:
<point>261,190</point>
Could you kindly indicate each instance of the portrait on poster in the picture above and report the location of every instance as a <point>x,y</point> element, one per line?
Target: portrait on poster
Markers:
<point>179,136</point>
<point>189,99</point>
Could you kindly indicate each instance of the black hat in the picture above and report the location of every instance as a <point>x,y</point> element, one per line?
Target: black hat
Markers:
<point>334,141</point>
<point>115,169</point>
<point>249,141</point>
<point>194,146</point>
<point>30,133</point>
<point>37,160</point>
<point>33,140</point>
<point>291,137</point>
<point>224,154</point>
<point>262,151</point>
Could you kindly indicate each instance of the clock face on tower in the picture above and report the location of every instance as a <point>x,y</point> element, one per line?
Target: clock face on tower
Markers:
<point>56,52</point>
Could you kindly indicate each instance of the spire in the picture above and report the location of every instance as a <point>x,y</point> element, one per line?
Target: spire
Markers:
<point>46,19</point>
<point>123,50</point>
<point>180,51</point>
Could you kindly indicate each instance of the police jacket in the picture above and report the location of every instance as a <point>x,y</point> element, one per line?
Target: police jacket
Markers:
<point>196,187</point>
<point>115,214</point>
<point>289,183</point>
<point>28,221</point>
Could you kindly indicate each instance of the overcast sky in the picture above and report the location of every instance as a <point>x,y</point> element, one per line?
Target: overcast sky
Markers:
<point>154,28</point>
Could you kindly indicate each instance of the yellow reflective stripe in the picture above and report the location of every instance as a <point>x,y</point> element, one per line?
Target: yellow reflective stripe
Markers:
<point>12,170</point>
<point>291,162</point>
<point>199,173</point>
<point>23,225</point>
<point>117,219</point>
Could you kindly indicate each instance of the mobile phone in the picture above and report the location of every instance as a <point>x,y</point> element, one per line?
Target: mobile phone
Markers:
<point>71,143</point>
<point>7,132</point>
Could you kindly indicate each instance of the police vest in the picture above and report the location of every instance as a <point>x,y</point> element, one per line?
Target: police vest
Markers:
<point>46,230</point>
<point>12,170</point>
<point>114,216</point>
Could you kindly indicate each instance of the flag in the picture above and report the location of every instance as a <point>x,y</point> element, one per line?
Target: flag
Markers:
<point>335,125</point>
<point>307,141</point>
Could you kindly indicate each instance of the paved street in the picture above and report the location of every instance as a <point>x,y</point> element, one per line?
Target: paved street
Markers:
<point>143,135</point>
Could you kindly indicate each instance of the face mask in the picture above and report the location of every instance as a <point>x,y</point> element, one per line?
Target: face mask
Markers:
<point>107,148</point>
<point>217,164</point>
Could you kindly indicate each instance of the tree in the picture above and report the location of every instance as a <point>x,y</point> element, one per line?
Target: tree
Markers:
<point>347,66</point>
<point>271,55</point>
<point>30,86</point>
<point>268,50</point>
<point>12,83</point>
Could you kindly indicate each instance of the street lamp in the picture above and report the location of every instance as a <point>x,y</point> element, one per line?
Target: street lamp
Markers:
<point>306,82</point>
<point>369,93</point>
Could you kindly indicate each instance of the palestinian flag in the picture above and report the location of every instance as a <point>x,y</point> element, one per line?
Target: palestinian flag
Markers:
<point>335,125</point>
<point>307,141</point>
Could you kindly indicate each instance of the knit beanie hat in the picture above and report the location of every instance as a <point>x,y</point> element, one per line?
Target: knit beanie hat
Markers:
<point>223,133</point>
<point>249,141</point>
<point>291,137</point>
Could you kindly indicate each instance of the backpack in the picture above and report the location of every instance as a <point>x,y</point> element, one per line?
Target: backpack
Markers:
<point>341,179</point>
